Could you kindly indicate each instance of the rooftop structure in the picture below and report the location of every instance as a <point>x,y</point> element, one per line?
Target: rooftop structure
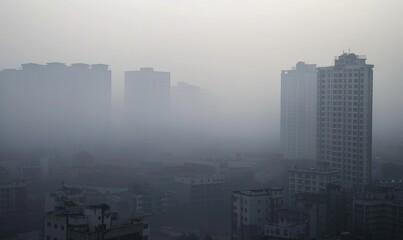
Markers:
<point>311,180</point>
<point>287,224</point>
<point>199,191</point>
<point>90,222</point>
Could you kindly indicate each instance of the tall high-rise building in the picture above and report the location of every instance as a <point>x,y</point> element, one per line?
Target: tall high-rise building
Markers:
<point>146,103</point>
<point>55,104</point>
<point>344,133</point>
<point>298,112</point>
<point>187,106</point>
<point>190,117</point>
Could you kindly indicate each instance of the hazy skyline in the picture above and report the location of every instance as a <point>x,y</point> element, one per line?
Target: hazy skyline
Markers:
<point>234,49</point>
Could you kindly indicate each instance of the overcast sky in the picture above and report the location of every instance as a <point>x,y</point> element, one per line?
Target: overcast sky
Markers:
<point>235,49</point>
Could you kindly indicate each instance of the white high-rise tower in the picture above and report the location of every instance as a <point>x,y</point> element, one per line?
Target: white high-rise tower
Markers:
<point>344,130</point>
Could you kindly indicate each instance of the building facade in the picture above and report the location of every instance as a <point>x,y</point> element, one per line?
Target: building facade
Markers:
<point>344,123</point>
<point>287,224</point>
<point>323,212</point>
<point>58,199</point>
<point>40,103</point>
<point>378,214</point>
<point>199,191</point>
<point>13,201</point>
<point>146,104</point>
<point>252,209</point>
<point>93,222</point>
<point>298,112</point>
<point>149,201</point>
<point>311,180</point>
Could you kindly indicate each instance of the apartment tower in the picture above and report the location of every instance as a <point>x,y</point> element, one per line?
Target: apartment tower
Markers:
<point>147,105</point>
<point>298,112</point>
<point>344,123</point>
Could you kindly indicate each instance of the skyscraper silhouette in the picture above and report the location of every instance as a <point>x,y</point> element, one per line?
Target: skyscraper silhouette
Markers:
<point>298,112</point>
<point>55,105</point>
<point>146,105</point>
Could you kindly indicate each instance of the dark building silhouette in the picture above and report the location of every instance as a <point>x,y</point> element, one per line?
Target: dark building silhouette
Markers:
<point>298,112</point>
<point>287,224</point>
<point>146,106</point>
<point>190,116</point>
<point>378,214</point>
<point>187,106</point>
<point>13,201</point>
<point>142,199</point>
<point>323,211</point>
<point>93,222</point>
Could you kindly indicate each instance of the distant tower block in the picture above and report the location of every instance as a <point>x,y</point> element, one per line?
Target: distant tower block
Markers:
<point>298,112</point>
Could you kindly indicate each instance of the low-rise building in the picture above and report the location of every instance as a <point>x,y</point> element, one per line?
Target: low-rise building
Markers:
<point>199,191</point>
<point>323,211</point>
<point>311,180</point>
<point>252,209</point>
<point>378,213</point>
<point>64,194</point>
<point>150,201</point>
<point>93,222</point>
<point>287,224</point>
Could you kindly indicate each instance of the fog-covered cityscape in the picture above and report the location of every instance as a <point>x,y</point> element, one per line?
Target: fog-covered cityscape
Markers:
<point>201,120</point>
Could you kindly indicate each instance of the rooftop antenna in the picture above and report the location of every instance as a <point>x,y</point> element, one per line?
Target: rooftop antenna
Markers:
<point>349,50</point>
